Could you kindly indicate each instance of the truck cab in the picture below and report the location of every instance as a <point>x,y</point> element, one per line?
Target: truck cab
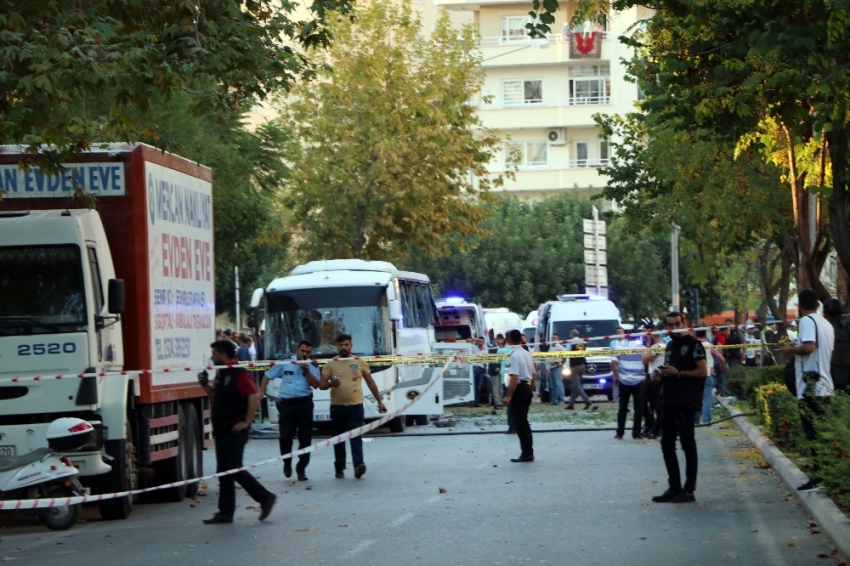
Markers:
<point>59,314</point>
<point>592,317</point>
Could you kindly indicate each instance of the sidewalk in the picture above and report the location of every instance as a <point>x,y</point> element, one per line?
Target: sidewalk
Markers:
<point>833,522</point>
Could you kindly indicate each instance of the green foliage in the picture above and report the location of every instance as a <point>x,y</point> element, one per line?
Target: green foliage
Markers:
<point>780,413</point>
<point>637,273</point>
<point>531,253</point>
<point>221,54</point>
<point>387,142</point>
<point>743,381</point>
<point>832,447</point>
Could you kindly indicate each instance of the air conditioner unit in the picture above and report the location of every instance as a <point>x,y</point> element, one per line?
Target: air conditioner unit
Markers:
<point>556,136</point>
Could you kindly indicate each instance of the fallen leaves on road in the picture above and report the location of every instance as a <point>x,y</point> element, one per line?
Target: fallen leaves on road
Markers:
<point>442,490</point>
<point>342,525</point>
<point>205,485</point>
<point>304,530</point>
<point>790,544</point>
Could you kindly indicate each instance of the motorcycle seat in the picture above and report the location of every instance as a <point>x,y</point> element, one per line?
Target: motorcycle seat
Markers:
<point>7,464</point>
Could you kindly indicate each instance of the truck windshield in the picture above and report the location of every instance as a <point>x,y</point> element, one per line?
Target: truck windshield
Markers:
<point>41,290</point>
<point>587,328</point>
<point>320,315</point>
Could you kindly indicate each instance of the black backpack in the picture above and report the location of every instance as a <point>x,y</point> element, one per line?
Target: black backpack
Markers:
<point>839,366</point>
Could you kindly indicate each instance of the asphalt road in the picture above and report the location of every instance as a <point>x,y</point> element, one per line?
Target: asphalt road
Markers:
<point>458,500</point>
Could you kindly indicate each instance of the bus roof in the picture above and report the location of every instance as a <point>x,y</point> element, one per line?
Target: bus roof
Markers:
<point>349,265</point>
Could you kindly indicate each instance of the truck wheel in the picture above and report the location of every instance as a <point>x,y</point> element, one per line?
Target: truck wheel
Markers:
<point>119,479</point>
<point>175,469</point>
<point>64,517</point>
<point>397,424</point>
<point>409,420</point>
<point>421,420</point>
<point>195,449</point>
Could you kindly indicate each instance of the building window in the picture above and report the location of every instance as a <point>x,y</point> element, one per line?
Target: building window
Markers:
<point>603,154</point>
<point>527,154</point>
<point>520,92</point>
<point>590,84</point>
<point>513,28</point>
<point>581,154</point>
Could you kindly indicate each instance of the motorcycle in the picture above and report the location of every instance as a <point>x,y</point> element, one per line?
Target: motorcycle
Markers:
<point>45,474</point>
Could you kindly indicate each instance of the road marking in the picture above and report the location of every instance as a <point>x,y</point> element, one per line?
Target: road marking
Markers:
<point>402,519</point>
<point>359,548</point>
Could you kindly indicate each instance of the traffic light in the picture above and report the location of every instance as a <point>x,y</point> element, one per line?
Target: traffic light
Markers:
<point>688,302</point>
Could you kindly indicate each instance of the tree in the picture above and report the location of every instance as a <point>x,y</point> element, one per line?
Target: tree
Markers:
<point>387,143</point>
<point>728,66</point>
<point>531,253</point>
<point>639,278</point>
<point>221,54</point>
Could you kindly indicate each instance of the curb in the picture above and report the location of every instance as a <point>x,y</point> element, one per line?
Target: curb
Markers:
<point>824,511</point>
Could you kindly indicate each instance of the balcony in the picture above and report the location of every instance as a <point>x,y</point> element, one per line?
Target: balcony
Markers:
<point>568,112</point>
<point>505,51</point>
<point>577,173</point>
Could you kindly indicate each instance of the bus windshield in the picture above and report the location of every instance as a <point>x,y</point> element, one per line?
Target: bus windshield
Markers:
<point>320,315</point>
<point>41,290</point>
<point>586,329</point>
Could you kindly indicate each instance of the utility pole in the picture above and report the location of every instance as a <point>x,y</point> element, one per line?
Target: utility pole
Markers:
<point>236,276</point>
<point>596,250</point>
<point>674,266</point>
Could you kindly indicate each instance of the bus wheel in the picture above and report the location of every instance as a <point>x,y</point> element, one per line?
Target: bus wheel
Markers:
<point>397,424</point>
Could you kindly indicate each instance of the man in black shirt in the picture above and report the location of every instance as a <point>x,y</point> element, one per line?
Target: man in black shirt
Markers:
<point>682,382</point>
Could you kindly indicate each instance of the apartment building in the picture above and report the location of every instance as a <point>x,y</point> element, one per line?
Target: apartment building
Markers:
<point>543,93</point>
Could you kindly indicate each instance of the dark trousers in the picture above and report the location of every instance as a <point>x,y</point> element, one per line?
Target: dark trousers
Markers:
<point>627,391</point>
<point>679,422</point>
<point>520,402</point>
<point>479,374</point>
<point>811,407</point>
<point>648,401</point>
<point>343,419</point>
<point>296,417</point>
<point>228,455</point>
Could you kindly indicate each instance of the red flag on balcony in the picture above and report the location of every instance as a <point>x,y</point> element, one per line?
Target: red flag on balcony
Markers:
<point>586,45</point>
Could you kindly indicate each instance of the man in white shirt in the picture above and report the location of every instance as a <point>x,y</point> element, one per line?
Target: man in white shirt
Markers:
<point>520,367</point>
<point>812,356</point>
<point>628,378</point>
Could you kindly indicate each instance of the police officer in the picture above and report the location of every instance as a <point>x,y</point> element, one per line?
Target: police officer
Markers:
<point>295,404</point>
<point>234,403</point>
<point>520,368</point>
<point>682,379</point>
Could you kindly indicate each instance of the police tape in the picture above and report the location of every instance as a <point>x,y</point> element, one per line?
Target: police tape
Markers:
<point>419,359</point>
<point>27,504</point>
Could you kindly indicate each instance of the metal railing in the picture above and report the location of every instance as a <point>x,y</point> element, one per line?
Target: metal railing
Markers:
<point>593,100</point>
<point>571,164</point>
<point>501,40</point>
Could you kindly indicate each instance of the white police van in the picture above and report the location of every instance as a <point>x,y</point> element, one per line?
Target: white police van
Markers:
<point>591,316</point>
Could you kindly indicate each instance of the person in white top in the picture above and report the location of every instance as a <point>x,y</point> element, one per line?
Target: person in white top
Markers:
<point>812,356</point>
<point>520,368</point>
<point>752,357</point>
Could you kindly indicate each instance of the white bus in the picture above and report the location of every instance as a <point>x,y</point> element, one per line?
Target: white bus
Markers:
<point>386,311</point>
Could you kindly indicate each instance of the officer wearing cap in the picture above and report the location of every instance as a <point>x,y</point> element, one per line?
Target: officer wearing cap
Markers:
<point>520,369</point>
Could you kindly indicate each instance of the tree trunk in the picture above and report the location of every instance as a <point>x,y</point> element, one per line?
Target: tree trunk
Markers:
<point>838,218</point>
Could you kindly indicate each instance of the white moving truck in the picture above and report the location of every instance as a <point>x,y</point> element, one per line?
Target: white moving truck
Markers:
<point>64,273</point>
